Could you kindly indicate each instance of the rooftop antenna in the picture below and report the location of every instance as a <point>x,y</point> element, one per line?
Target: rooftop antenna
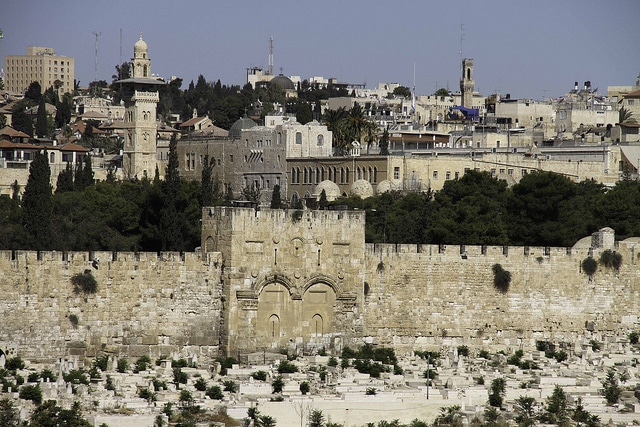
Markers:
<point>120,63</point>
<point>270,67</point>
<point>97,35</point>
<point>1,37</point>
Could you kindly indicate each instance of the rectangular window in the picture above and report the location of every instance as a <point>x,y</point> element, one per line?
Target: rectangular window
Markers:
<point>501,170</point>
<point>524,172</point>
<point>510,172</point>
<point>435,174</point>
<point>231,158</point>
<point>457,175</point>
<point>448,176</point>
<point>630,102</point>
<point>396,172</point>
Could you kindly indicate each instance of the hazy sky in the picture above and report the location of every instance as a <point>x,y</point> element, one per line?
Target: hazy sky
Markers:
<point>530,49</point>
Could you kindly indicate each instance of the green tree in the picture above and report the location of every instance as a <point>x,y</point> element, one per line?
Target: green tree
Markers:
<point>402,92</point>
<point>316,418</point>
<point>65,180</point>
<point>267,421</point>
<point>277,384</point>
<point>384,143</point>
<point>497,392</point>
<point>525,411</point>
<point>42,127</point>
<point>37,203</point>
<point>582,417</point>
<point>611,391</point>
<point>207,195</point>
<point>50,415</point>
<point>170,221</point>
<point>449,416</point>
<point>251,193</point>
<point>276,201</point>
<point>9,415</point>
<point>557,409</point>
<point>323,203</point>
<point>441,92</point>
<point>34,92</point>
<point>20,120</point>
<point>625,116</point>
<point>304,387</point>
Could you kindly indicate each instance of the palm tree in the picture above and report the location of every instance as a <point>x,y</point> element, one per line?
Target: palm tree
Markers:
<point>370,132</point>
<point>356,122</point>
<point>625,116</point>
<point>335,120</point>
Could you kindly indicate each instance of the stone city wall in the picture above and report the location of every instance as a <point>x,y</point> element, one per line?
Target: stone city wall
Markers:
<point>145,304</point>
<point>425,296</point>
<point>272,280</point>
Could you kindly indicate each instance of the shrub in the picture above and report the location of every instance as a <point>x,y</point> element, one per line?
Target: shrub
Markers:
<point>101,362</point>
<point>277,384</point>
<point>180,363</point>
<point>159,384</point>
<point>94,372</point>
<point>528,364</point>
<point>48,374</point>
<point>589,266</point>
<point>611,259</point>
<point>14,364</point>
<point>179,377</point>
<point>429,374</point>
<point>109,385</point>
<point>33,377</point>
<point>73,319</point>
<point>123,365</point>
<point>561,356</point>
<point>305,387</point>
<point>286,367</point>
<point>484,354</point>
<point>142,364</point>
<point>515,359</point>
<point>32,393</point>
<point>371,391</point>
<point>230,386</point>
<point>200,384</point>
<point>84,283</point>
<point>463,350</point>
<point>501,278</point>
<point>185,399</point>
<point>76,376</point>
<point>595,345</point>
<point>633,337</point>
<point>215,392</point>
<point>147,394</point>
<point>333,362</point>
<point>259,375</point>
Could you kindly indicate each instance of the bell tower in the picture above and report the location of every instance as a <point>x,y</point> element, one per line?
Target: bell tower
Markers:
<point>140,96</point>
<point>467,84</point>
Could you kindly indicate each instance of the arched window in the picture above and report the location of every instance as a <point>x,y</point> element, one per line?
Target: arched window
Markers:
<point>347,177</point>
<point>370,175</point>
<point>279,138</point>
<point>52,157</point>
<point>298,137</point>
<point>320,140</point>
<point>341,175</point>
<point>375,174</point>
<point>305,176</point>
<point>274,326</point>
<point>317,326</point>
<point>317,175</point>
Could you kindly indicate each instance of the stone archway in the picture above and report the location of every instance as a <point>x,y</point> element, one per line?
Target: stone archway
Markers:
<point>275,317</point>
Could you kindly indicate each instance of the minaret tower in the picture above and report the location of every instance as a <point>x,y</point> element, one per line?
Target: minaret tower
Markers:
<point>140,96</point>
<point>467,84</point>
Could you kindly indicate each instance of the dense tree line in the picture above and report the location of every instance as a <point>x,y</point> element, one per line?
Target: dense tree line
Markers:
<point>543,209</point>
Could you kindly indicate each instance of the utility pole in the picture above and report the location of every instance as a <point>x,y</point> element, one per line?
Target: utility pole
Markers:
<point>97,35</point>
<point>270,67</point>
<point>1,70</point>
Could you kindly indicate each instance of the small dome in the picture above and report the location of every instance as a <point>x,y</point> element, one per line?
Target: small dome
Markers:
<point>362,188</point>
<point>140,46</point>
<point>330,188</point>
<point>284,82</point>
<point>240,125</point>
<point>387,186</point>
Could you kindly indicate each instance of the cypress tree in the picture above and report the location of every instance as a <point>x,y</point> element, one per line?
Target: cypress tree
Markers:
<point>206,183</point>
<point>37,204</point>
<point>65,180</point>
<point>323,203</point>
<point>42,127</point>
<point>170,224</point>
<point>276,200</point>
<point>87,172</point>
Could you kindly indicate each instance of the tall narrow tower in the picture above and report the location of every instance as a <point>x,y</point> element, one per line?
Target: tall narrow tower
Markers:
<point>467,84</point>
<point>140,96</point>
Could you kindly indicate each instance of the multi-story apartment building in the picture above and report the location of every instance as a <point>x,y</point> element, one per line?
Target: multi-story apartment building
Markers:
<point>41,65</point>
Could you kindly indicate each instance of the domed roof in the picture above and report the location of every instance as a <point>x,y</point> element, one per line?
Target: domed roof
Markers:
<point>241,124</point>
<point>387,186</point>
<point>140,46</point>
<point>284,82</point>
<point>330,188</point>
<point>362,188</point>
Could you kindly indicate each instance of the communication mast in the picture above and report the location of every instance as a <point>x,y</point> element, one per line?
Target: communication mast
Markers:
<point>97,35</point>
<point>270,67</point>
